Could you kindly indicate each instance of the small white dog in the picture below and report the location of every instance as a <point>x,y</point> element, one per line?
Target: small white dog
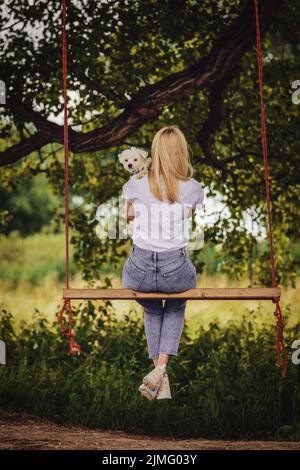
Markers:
<point>136,161</point>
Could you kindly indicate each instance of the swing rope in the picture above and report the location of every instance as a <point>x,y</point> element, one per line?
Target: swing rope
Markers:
<point>280,347</point>
<point>74,347</point>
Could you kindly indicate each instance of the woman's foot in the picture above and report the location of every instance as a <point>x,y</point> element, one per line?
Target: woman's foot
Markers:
<point>164,389</point>
<point>146,392</point>
<point>154,377</point>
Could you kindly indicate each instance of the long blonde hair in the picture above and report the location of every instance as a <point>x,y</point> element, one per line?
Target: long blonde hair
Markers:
<point>170,162</point>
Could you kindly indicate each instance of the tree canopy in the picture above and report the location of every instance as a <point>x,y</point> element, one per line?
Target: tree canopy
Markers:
<point>134,66</point>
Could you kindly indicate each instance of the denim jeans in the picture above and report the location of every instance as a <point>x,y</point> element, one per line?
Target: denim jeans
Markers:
<point>165,271</point>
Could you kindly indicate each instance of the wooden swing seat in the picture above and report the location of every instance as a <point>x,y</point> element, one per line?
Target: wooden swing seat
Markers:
<point>257,293</point>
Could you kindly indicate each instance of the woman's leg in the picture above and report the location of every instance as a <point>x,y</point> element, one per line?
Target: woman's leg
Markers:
<point>153,317</point>
<point>171,328</point>
<point>162,359</point>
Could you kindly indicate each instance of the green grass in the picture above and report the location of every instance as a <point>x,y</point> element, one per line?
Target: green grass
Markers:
<point>32,259</point>
<point>224,381</point>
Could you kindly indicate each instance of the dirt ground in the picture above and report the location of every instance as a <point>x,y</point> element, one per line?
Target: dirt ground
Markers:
<point>27,432</point>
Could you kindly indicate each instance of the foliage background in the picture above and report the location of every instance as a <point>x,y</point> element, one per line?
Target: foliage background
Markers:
<point>225,383</point>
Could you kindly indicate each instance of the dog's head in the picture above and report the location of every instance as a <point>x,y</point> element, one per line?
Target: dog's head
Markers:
<point>132,159</point>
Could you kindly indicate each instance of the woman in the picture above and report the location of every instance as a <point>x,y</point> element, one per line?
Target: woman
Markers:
<point>160,203</point>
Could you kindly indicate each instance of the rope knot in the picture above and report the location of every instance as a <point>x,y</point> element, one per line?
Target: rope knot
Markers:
<point>74,349</point>
<point>280,346</point>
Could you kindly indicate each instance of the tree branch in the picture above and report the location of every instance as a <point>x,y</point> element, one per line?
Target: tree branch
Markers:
<point>23,148</point>
<point>217,67</point>
<point>211,125</point>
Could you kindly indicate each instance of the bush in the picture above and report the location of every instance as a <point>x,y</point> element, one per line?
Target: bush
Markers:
<point>224,381</point>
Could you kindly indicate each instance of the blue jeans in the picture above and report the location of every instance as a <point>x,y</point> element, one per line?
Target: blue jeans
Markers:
<point>166,271</point>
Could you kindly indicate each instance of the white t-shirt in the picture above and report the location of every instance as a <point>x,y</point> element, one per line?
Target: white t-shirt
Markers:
<point>159,225</point>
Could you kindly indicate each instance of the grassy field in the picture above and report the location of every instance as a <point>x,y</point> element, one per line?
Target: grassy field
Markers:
<point>46,298</point>
<point>224,380</point>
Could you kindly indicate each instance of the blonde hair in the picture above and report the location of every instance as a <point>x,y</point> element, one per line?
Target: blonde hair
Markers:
<point>170,162</point>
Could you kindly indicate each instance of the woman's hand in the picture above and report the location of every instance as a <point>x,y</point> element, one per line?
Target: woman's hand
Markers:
<point>129,211</point>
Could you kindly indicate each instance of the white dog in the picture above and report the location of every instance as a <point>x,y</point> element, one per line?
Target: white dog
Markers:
<point>136,161</point>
